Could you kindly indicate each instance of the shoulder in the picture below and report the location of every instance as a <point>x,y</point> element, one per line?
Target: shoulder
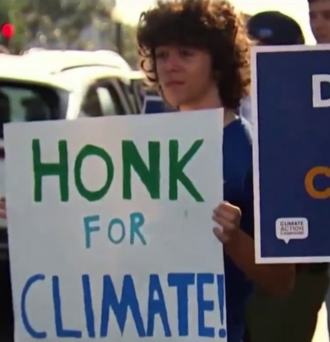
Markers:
<point>237,154</point>
<point>237,168</point>
<point>245,109</point>
<point>237,141</point>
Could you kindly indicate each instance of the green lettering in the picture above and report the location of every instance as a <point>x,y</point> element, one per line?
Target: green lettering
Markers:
<point>87,151</point>
<point>149,176</point>
<point>60,169</point>
<point>176,170</point>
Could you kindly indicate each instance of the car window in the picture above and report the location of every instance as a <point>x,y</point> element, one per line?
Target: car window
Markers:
<point>91,105</point>
<point>24,102</point>
<point>102,100</point>
<point>115,98</point>
<point>108,102</point>
<point>127,92</point>
<point>137,92</point>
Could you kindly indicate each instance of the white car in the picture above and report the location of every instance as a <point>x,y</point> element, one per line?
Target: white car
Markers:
<point>61,85</point>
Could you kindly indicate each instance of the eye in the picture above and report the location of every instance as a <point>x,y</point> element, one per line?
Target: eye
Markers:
<point>186,52</point>
<point>326,15</point>
<point>312,16</point>
<point>161,54</point>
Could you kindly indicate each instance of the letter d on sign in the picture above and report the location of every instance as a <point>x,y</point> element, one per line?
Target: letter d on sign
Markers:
<point>317,81</point>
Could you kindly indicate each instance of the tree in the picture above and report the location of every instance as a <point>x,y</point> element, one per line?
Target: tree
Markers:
<point>55,20</point>
<point>60,23</point>
<point>130,52</point>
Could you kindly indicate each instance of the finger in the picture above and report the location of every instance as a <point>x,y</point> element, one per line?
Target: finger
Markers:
<point>228,215</point>
<point>220,235</point>
<point>225,208</point>
<point>221,221</point>
<point>228,207</point>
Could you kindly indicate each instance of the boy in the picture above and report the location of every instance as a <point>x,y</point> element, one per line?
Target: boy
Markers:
<point>196,54</point>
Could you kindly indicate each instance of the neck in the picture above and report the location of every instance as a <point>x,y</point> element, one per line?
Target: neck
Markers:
<point>211,101</point>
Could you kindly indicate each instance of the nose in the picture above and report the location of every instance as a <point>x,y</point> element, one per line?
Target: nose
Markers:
<point>318,23</point>
<point>172,62</point>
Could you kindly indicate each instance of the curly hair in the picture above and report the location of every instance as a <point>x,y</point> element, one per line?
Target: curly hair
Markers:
<point>208,25</point>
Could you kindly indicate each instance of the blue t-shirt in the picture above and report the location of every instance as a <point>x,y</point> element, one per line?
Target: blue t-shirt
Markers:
<point>238,190</point>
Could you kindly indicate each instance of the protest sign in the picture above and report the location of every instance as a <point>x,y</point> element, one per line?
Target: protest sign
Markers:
<point>291,109</point>
<point>110,228</point>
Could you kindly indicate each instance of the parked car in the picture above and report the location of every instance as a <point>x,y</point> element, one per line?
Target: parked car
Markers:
<point>98,57</point>
<point>36,87</point>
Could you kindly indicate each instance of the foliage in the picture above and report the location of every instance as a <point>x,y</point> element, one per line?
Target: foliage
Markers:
<point>59,23</point>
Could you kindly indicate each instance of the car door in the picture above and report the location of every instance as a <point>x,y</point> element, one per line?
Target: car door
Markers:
<point>105,98</point>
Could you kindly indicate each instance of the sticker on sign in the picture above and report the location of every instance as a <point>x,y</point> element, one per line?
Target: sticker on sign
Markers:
<point>291,228</point>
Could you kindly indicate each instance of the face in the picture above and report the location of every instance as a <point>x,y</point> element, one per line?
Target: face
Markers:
<point>185,76</point>
<point>319,14</point>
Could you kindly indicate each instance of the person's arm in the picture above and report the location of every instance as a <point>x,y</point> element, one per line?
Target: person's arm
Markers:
<point>237,237</point>
<point>276,279</point>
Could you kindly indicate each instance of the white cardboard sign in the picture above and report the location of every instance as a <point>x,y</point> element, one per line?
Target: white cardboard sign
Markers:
<point>110,228</point>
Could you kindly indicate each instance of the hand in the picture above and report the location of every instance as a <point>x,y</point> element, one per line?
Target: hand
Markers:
<point>229,218</point>
<point>3,211</point>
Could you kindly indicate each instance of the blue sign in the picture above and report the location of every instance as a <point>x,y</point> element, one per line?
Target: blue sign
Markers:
<point>291,108</point>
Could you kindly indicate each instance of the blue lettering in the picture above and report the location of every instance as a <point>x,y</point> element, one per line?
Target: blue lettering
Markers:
<point>156,306</point>
<point>204,305</point>
<point>112,223</point>
<point>119,301</point>
<point>137,221</point>
<point>89,229</point>
<point>221,298</point>
<point>28,327</point>
<point>182,281</point>
<point>88,305</point>
<point>60,331</point>
<point>92,225</point>
<point>128,299</point>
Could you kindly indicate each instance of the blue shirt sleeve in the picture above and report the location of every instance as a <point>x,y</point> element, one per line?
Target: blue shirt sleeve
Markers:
<point>247,208</point>
<point>238,172</point>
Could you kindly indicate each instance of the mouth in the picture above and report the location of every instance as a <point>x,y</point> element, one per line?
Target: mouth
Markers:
<point>322,34</point>
<point>174,83</point>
